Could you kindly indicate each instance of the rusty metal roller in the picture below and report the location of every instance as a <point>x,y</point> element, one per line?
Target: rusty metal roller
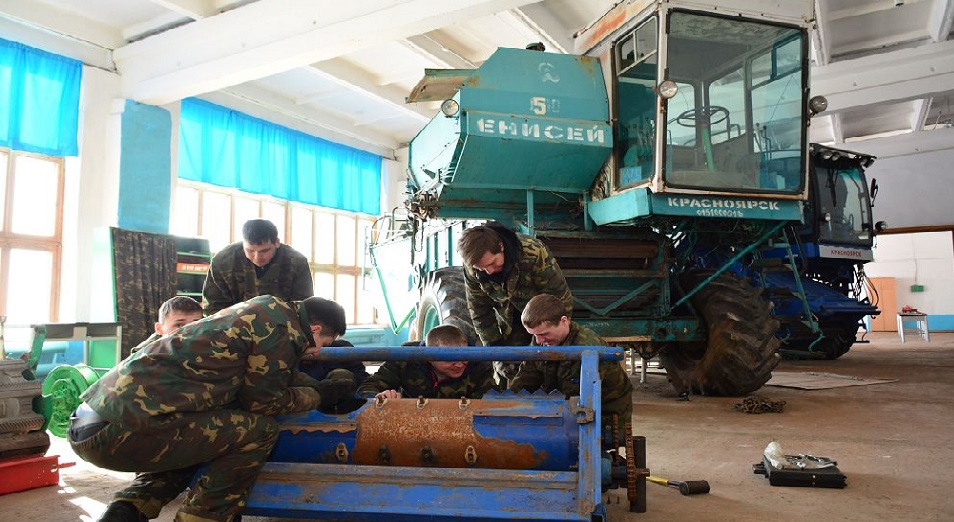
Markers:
<point>505,431</point>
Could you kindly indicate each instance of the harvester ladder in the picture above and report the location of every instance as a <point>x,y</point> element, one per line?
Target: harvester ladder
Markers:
<point>808,318</point>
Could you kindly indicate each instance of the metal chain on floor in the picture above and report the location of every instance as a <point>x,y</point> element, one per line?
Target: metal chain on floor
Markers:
<point>756,404</point>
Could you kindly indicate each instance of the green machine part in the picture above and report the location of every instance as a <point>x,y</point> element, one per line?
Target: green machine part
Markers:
<point>61,394</point>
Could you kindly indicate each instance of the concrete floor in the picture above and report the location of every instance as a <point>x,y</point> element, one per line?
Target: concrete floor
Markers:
<point>893,441</point>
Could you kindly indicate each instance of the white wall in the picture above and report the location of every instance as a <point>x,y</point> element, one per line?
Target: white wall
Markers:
<point>91,198</point>
<point>915,175</point>
<point>394,182</point>
<point>925,259</point>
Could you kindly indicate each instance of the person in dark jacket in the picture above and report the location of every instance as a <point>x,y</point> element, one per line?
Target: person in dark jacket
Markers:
<point>431,379</point>
<point>322,370</point>
<point>259,265</point>
<point>503,270</point>
<point>206,395</point>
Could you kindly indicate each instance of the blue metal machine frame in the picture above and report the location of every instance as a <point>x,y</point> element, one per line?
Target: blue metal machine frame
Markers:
<point>387,493</point>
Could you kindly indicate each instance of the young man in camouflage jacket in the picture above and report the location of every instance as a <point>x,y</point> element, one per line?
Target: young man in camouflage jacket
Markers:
<point>502,272</point>
<point>205,395</point>
<point>259,265</point>
<point>173,314</point>
<point>431,379</point>
<point>546,321</point>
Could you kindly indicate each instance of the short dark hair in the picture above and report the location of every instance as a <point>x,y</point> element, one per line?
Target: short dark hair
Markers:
<point>543,308</point>
<point>446,335</point>
<point>258,231</point>
<point>180,303</point>
<point>327,313</point>
<point>477,241</point>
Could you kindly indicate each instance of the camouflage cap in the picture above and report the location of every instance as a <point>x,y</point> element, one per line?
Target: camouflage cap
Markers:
<point>326,312</point>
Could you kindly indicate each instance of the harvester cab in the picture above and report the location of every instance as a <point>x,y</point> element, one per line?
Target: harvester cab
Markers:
<point>706,103</point>
<point>839,213</point>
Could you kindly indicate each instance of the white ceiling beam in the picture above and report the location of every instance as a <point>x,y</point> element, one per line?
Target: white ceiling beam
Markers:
<point>317,96</point>
<point>56,21</point>
<point>867,44</point>
<point>349,78</point>
<point>919,116</point>
<point>893,77</point>
<point>272,36</point>
<point>375,118</point>
<point>194,9</point>
<point>261,103</point>
<point>523,25</point>
<point>940,19</point>
<point>555,36</point>
<point>397,77</point>
<point>438,52</point>
<point>855,9</point>
<point>837,131</point>
<point>154,26</point>
<point>907,144</point>
<point>58,43</point>
<point>820,34</point>
<point>225,5</point>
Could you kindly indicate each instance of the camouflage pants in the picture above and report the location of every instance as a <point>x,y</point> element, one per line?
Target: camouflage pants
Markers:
<point>226,447</point>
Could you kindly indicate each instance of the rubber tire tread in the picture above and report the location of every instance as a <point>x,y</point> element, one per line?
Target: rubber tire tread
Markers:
<point>444,292</point>
<point>21,430</point>
<point>741,349</point>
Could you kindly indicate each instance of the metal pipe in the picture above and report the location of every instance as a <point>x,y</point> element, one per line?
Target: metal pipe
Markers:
<point>466,353</point>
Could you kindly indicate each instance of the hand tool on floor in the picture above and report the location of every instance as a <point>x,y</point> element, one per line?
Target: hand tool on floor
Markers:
<point>689,487</point>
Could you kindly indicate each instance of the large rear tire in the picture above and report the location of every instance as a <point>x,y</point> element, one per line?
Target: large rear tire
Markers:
<point>741,350</point>
<point>443,301</point>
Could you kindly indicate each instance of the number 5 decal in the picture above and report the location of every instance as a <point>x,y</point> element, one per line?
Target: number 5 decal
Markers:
<point>538,105</point>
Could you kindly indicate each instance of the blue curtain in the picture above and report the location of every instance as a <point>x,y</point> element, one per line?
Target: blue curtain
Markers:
<point>39,100</point>
<point>231,149</point>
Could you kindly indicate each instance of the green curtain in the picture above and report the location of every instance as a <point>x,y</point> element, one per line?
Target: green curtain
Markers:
<point>145,269</point>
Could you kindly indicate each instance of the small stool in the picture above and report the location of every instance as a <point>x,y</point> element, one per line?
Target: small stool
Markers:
<point>921,325</point>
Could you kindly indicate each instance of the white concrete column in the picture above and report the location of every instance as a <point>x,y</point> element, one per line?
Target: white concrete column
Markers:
<point>91,200</point>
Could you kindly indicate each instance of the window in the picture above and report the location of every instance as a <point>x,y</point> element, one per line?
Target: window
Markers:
<point>332,240</point>
<point>737,120</point>
<point>636,105</point>
<point>31,193</point>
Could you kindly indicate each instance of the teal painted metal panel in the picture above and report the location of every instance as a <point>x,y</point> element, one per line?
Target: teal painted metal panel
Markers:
<point>528,120</point>
<point>532,83</point>
<point>726,207</point>
<point>641,203</point>
<point>620,207</point>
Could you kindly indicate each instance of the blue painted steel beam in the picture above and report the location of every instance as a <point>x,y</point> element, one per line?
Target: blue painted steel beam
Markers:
<point>591,386</point>
<point>408,494</point>
<point>466,353</point>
